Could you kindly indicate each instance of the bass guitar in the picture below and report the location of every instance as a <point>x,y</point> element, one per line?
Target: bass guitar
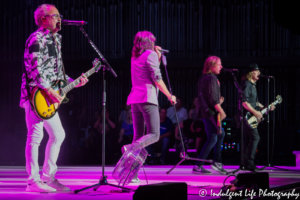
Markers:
<point>42,104</point>
<point>252,121</point>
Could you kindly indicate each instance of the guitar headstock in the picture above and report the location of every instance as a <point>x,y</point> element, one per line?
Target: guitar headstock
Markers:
<point>279,98</point>
<point>96,64</point>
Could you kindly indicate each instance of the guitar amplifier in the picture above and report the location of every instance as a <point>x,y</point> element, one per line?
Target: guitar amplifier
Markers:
<point>230,141</point>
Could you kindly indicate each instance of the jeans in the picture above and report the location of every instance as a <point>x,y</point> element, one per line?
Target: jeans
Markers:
<point>164,150</point>
<point>213,140</point>
<point>145,113</point>
<point>251,139</point>
<point>34,137</point>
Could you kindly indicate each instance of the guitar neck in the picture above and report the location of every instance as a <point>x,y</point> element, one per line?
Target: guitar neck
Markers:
<point>269,107</point>
<point>70,86</point>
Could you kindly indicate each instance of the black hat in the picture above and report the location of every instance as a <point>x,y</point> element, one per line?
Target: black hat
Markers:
<point>251,67</point>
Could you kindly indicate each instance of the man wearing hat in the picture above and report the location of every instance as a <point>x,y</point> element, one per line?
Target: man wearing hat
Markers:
<point>251,104</point>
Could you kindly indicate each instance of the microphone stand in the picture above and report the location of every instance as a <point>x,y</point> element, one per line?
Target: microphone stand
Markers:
<point>106,66</point>
<point>183,155</point>
<point>269,164</point>
<point>241,97</point>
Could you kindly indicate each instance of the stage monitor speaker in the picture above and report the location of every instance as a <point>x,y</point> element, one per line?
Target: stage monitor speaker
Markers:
<point>259,179</point>
<point>161,191</point>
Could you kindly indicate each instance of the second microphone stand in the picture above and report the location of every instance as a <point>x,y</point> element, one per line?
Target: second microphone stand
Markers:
<point>183,155</point>
<point>269,163</point>
<point>241,97</point>
<point>106,66</point>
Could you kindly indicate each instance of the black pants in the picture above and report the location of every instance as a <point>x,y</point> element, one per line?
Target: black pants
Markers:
<point>251,139</point>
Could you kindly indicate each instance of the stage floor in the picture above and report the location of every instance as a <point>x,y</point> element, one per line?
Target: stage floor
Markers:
<point>13,181</point>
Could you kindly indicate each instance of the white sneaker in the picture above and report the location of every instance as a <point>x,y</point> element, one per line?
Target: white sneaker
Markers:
<point>135,180</point>
<point>58,186</point>
<point>39,187</point>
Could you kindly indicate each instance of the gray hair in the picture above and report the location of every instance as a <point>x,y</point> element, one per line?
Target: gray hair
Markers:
<point>41,11</point>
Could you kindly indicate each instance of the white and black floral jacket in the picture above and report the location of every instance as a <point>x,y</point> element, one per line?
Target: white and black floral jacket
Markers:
<point>43,61</point>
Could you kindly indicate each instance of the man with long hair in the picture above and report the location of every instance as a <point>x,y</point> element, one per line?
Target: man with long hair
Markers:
<point>146,82</point>
<point>43,67</point>
<point>251,104</point>
<point>208,108</point>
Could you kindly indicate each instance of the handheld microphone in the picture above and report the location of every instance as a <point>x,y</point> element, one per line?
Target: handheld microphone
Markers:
<point>230,70</point>
<point>265,76</point>
<point>71,22</point>
<point>164,51</point>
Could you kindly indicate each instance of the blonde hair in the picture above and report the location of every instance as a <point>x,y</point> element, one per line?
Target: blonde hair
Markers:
<point>209,63</point>
<point>247,76</point>
<point>41,11</point>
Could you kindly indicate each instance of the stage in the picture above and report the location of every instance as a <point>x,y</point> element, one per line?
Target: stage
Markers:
<point>13,181</point>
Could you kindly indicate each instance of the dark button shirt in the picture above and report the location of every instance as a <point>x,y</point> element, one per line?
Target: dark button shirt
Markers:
<point>209,85</point>
<point>250,92</point>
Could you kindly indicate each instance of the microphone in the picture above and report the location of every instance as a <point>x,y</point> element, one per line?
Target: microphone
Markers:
<point>164,51</point>
<point>71,22</point>
<point>265,76</point>
<point>230,70</point>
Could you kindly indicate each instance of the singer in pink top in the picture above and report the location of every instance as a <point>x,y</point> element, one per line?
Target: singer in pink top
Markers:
<point>146,82</point>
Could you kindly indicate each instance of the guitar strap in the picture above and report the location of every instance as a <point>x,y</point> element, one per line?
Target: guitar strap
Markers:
<point>62,63</point>
<point>63,67</point>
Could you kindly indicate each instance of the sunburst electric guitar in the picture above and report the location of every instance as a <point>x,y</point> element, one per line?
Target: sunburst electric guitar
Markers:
<point>42,104</point>
<point>219,123</point>
<point>252,121</point>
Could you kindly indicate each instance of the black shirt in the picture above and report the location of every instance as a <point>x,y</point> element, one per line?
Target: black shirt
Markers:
<point>209,85</point>
<point>250,92</point>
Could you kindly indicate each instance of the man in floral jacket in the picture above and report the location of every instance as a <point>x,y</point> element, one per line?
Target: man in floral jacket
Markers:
<point>43,66</point>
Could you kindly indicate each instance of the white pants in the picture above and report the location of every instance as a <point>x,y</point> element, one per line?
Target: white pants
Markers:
<point>34,137</point>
